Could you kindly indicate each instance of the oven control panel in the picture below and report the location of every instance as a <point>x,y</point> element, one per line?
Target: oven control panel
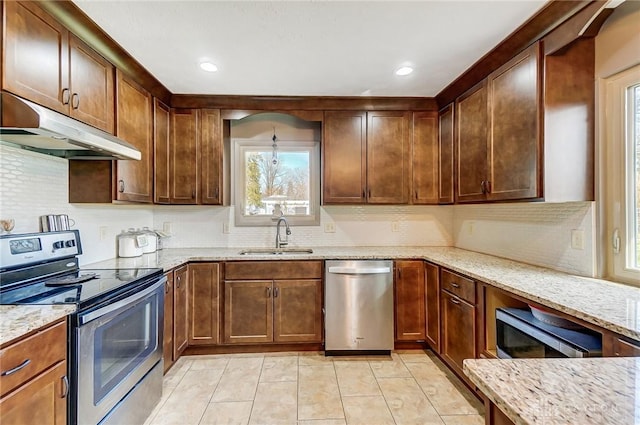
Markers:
<point>20,250</point>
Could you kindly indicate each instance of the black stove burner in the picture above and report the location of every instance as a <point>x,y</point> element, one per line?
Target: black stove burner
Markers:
<point>71,280</point>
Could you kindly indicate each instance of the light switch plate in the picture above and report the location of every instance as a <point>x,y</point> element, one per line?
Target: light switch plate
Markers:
<point>395,226</point>
<point>330,227</point>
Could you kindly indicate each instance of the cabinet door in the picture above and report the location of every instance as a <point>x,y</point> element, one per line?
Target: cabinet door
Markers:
<point>210,157</point>
<point>248,311</point>
<point>167,343</point>
<point>425,158</point>
<point>204,296</point>
<point>91,78</point>
<point>471,147</point>
<point>43,400</point>
<point>388,153</point>
<point>432,293</point>
<point>446,149</point>
<point>180,311</point>
<point>184,156</point>
<point>344,157</point>
<point>409,298</point>
<point>161,152</point>
<point>514,128</point>
<point>135,126</point>
<point>298,310</point>
<point>458,331</point>
<point>36,56</point>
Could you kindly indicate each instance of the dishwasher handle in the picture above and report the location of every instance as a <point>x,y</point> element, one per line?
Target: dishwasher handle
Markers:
<point>359,270</point>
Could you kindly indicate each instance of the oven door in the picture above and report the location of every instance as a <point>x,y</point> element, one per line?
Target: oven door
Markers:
<point>117,345</point>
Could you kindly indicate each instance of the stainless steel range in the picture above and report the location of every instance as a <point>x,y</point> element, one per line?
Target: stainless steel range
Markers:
<point>115,336</point>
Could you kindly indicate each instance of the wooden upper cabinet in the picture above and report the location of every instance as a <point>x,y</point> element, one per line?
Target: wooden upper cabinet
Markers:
<point>211,158</point>
<point>514,121</point>
<point>388,157</point>
<point>135,126</point>
<point>161,152</point>
<point>36,56</point>
<point>91,80</point>
<point>471,146</point>
<point>46,64</point>
<point>445,155</point>
<point>410,300</point>
<point>184,154</point>
<point>425,158</point>
<point>344,157</point>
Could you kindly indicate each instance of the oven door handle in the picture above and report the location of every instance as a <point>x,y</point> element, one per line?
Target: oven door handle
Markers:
<point>86,318</point>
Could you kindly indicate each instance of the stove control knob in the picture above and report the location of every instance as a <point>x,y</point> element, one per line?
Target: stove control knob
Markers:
<point>58,245</point>
<point>70,243</point>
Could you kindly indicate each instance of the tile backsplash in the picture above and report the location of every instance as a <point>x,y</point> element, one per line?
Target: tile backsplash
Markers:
<point>32,184</point>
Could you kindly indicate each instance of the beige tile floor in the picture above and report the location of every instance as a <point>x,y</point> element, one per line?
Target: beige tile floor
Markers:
<point>408,387</point>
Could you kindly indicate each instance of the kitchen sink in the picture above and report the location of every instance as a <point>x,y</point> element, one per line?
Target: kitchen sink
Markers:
<point>276,251</point>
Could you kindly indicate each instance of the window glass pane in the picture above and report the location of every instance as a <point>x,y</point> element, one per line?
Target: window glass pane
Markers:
<point>277,182</point>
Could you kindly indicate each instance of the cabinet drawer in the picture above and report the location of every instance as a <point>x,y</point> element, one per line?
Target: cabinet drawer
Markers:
<point>457,285</point>
<point>36,353</point>
<point>273,270</point>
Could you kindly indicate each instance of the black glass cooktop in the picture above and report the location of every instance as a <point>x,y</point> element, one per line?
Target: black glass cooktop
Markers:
<point>83,287</point>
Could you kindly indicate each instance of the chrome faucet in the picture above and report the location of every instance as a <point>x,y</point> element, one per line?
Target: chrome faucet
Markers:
<point>279,241</point>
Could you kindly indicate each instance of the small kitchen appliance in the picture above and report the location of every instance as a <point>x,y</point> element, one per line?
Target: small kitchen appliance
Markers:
<point>115,335</point>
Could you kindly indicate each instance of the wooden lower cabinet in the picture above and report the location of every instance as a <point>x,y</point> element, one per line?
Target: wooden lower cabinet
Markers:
<point>409,300</point>
<point>432,301</point>
<point>494,416</point>
<point>180,322</point>
<point>614,345</point>
<point>248,311</point>
<point>297,313</point>
<point>458,330</point>
<point>37,392</point>
<point>167,342</point>
<point>203,311</point>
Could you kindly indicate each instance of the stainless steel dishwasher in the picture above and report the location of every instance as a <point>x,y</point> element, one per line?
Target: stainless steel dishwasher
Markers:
<point>358,307</point>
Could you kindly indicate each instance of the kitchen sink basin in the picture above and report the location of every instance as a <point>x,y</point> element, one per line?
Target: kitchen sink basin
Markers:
<point>276,251</point>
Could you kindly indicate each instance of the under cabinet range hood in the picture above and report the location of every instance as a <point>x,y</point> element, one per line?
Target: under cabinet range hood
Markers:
<point>39,129</point>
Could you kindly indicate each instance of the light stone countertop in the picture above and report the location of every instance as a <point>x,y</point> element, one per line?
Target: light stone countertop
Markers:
<point>590,391</point>
<point>19,320</point>
<point>609,305</point>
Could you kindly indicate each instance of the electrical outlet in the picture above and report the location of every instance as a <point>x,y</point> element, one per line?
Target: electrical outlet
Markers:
<point>103,232</point>
<point>470,227</point>
<point>577,239</point>
<point>225,228</point>
<point>166,227</point>
<point>395,226</point>
<point>330,227</point>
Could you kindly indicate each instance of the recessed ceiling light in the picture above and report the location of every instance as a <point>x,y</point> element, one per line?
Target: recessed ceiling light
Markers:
<point>404,70</point>
<point>208,66</point>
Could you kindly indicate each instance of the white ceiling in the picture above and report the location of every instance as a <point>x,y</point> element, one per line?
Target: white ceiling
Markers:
<point>308,48</point>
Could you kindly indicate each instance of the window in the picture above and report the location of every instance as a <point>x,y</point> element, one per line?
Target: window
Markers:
<point>271,182</point>
<point>622,175</point>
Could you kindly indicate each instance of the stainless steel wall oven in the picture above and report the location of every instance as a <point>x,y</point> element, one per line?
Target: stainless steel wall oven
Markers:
<point>115,336</point>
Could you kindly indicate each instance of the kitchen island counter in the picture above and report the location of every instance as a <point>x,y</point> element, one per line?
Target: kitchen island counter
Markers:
<point>590,391</point>
<point>609,305</point>
<point>17,321</point>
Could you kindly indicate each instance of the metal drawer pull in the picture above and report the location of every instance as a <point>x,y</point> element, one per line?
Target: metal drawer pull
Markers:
<point>455,285</point>
<point>16,369</point>
<point>454,300</point>
<point>65,382</point>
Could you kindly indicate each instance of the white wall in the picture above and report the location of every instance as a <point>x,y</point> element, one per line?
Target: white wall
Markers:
<point>33,184</point>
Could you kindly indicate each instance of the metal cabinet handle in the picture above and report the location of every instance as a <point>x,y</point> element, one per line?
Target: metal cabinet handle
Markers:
<point>276,291</point>
<point>369,195</point>
<point>268,292</point>
<point>487,185</point>
<point>121,184</point>
<point>454,300</point>
<point>75,101</point>
<point>482,183</point>
<point>455,285</point>
<point>65,383</point>
<point>217,192</point>
<point>364,195</point>
<point>416,194</point>
<point>65,96</point>
<point>16,369</point>
<point>178,279</point>
<point>193,194</point>
<point>166,287</point>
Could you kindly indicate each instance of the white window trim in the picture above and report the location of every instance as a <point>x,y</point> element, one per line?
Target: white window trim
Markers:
<point>239,146</point>
<point>615,171</point>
